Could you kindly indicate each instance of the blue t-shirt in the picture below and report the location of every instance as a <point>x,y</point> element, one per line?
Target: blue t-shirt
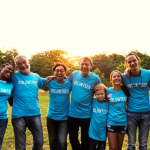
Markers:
<point>5,92</point>
<point>82,94</point>
<point>59,99</point>
<point>138,100</point>
<point>117,115</point>
<point>97,129</point>
<point>25,94</point>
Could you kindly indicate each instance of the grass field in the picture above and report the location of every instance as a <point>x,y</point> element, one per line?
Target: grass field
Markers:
<point>9,142</point>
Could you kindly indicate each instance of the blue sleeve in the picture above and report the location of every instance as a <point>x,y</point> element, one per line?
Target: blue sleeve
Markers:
<point>41,83</point>
<point>71,77</point>
<point>98,80</point>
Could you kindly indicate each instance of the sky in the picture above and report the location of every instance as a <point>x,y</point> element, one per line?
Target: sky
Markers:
<point>79,27</point>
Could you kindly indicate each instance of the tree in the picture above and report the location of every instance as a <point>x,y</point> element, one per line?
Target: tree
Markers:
<point>145,62</point>
<point>42,63</point>
<point>71,69</point>
<point>107,63</point>
<point>2,61</point>
<point>121,68</point>
<point>101,76</point>
<point>138,53</point>
<point>8,56</point>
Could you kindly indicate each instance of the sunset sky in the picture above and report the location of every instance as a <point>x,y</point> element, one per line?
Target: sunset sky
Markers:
<point>79,27</point>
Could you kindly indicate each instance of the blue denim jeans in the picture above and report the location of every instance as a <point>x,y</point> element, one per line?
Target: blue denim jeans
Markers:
<point>57,132</point>
<point>3,126</point>
<point>93,143</point>
<point>34,125</point>
<point>142,121</point>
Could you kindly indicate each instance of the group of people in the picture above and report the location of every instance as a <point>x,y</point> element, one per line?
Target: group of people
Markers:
<point>100,117</point>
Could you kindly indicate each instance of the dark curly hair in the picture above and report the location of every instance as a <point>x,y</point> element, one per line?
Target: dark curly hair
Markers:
<point>59,64</point>
<point>4,65</point>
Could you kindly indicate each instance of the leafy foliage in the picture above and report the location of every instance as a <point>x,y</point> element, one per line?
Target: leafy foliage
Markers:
<point>103,64</point>
<point>8,56</point>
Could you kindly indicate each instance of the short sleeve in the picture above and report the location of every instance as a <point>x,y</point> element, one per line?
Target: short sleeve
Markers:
<point>41,83</point>
<point>71,77</point>
<point>98,80</point>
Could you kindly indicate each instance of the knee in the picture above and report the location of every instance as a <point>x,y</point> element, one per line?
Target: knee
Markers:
<point>19,126</point>
<point>62,142</point>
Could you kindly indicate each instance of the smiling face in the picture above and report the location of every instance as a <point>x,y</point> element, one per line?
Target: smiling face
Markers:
<point>116,78</point>
<point>100,95</point>
<point>132,62</point>
<point>23,65</point>
<point>59,74</point>
<point>85,67</point>
<point>6,72</point>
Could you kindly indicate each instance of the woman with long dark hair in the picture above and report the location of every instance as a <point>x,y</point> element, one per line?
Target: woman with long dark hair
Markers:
<point>117,116</point>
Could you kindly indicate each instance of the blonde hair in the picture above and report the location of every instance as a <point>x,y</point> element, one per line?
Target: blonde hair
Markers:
<point>98,87</point>
<point>86,58</point>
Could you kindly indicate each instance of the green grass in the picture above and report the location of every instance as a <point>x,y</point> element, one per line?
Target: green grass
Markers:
<point>9,142</point>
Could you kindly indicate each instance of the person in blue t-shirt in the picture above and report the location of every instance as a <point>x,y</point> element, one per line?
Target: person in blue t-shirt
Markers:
<point>117,116</point>
<point>59,101</point>
<point>138,108</point>
<point>6,87</point>
<point>97,129</point>
<point>80,108</point>
<point>25,107</point>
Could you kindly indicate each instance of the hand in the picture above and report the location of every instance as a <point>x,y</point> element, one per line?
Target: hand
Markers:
<point>49,78</point>
<point>65,77</point>
<point>127,72</point>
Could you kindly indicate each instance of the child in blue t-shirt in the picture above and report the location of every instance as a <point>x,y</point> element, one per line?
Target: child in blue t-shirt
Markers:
<point>97,129</point>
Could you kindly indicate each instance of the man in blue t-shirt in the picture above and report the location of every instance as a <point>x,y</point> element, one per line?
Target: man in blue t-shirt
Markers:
<point>59,101</point>
<point>80,109</point>
<point>138,108</point>
<point>25,108</point>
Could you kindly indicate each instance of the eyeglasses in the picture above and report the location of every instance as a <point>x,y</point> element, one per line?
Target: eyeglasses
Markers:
<point>61,71</point>
<point>84,64</point>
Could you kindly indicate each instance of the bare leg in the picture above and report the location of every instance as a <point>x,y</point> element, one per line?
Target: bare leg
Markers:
<point>120,138</point>
<point>112,138</point>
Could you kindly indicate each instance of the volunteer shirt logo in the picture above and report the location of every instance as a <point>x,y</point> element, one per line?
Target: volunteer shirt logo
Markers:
<point>103,111</point>
<point>5,90</point>
<point>137,85</point>
<point>27,82</point>
<point>118,99</point>
<point>82,84</point>
<point>63,91</point>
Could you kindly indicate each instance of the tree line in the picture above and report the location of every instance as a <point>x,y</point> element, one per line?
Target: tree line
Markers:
<point>42,63</point>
